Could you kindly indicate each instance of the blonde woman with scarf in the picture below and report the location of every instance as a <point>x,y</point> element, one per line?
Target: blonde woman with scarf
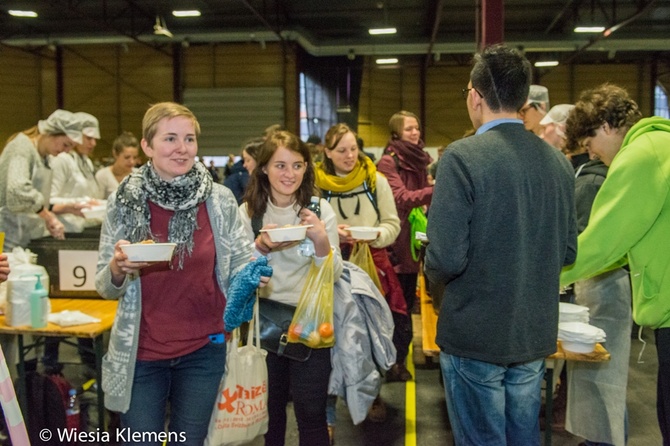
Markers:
<point>167,344</point>
<point>361,196</point>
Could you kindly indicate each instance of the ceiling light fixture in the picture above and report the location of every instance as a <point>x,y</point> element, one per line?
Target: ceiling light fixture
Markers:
<point>19,13</point>
<point>381,31</point>
<point>546,63</point>
<point>160,28</point>
<point>387,61</point>
<point>186,13</point>
<point>589,29</point>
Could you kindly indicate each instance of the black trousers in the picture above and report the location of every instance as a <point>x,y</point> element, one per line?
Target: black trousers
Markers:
<point>408,283</point>
<point>307,383</point>
<point>402,336</point>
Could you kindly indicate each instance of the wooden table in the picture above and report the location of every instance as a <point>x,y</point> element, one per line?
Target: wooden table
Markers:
<point>428,318</point>
<point>105,310</point>
<point>597,355</point>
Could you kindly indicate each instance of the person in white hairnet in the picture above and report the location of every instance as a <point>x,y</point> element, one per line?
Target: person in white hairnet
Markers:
<point>535,108</point>
<point>25,178</point>
<point>74,184</point>
<point>74,177</point>
<point>554,125</point>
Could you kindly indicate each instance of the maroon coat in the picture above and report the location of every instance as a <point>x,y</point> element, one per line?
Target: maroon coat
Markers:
<point>410,189</point>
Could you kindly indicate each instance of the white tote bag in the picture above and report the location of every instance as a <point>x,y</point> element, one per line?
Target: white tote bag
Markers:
<point>241,410</point>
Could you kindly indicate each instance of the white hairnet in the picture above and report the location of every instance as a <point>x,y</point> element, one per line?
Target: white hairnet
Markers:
<point>538,94</point>
<point>61,122</point>
<point>559,116</point>
<point>89,124</point>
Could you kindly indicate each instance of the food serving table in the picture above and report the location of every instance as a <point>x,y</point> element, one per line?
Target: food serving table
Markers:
<point>105,310</point>
<point>599,354</point>
<point>428,318</point>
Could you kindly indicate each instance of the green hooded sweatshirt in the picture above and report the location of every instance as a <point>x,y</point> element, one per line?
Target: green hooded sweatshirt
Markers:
<point>631,217</point>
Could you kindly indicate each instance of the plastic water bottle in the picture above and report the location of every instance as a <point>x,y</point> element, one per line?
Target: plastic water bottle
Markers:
<point>38,304</point>
<point>72,403</point>
<point>306,247</point>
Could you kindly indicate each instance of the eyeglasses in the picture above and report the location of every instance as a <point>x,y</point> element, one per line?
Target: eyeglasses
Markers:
<point>467,90</point>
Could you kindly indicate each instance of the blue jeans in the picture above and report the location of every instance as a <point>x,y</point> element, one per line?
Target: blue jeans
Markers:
<point>491,404</point>
<point>190,383</point>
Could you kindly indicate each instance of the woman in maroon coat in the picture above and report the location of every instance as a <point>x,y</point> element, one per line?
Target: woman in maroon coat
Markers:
<point>405,164</point>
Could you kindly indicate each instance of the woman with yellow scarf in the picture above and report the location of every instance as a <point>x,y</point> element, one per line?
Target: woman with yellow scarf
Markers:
<point>361,196</point>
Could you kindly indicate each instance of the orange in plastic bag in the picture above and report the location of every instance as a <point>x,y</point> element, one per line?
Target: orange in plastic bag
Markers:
<point>312,322</point>
<point>362,257</point>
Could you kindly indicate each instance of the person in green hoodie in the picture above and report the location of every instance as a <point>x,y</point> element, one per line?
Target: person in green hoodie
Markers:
<point>630,218</point>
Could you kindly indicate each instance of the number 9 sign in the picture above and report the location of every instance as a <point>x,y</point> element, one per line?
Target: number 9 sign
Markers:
<point>76,270</point>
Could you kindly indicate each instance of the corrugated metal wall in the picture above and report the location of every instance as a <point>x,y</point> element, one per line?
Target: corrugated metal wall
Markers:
<point>230,116</point>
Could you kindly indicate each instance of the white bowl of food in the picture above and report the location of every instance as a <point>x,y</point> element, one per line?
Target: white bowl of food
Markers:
<point>578,347</point>
<point>95,212</point>
<point>149,252</point>
<point>289,233</point>
<point>363,232</point>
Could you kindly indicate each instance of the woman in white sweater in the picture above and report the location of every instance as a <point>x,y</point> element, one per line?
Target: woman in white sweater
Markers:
<point>361,196</point>
<point>281,187</point>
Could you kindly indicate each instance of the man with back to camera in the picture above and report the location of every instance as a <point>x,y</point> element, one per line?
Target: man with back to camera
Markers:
<point>501,225</point>
<point>535,108</point>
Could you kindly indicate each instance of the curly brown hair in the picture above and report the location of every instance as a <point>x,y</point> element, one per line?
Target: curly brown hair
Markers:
<point>607,103</point>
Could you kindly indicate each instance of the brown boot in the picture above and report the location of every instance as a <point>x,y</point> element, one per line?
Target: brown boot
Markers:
<point>377,412</point>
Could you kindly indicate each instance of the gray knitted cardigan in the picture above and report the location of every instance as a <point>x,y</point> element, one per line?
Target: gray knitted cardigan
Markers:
<point>233,251</point>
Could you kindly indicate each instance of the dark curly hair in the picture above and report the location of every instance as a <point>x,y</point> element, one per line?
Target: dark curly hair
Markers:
<point>607,103</point>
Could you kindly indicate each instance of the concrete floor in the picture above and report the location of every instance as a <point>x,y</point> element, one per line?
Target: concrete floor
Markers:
<point>432,425</point>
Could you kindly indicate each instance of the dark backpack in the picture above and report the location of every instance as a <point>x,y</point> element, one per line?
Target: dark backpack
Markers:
<point>48,400</point>
<point>372,196</point>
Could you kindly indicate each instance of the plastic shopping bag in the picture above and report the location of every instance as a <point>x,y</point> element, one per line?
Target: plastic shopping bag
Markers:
<point>362,257</point>
<point>241,409</point>
<point>418,223</point>
<point>312,322</point>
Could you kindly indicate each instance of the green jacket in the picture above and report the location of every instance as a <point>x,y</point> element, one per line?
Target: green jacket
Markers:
<point>631,217</point>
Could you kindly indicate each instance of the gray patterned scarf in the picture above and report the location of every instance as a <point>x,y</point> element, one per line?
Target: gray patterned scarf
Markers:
<point>182,195</point>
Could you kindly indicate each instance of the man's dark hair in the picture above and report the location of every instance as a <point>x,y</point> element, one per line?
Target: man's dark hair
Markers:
<point>502,76</point>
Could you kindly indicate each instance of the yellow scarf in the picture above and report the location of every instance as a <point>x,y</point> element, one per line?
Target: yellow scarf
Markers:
<point>362,171</point>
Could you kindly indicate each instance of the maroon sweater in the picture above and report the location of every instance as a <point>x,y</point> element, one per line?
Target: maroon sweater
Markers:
<point>180,307</point>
